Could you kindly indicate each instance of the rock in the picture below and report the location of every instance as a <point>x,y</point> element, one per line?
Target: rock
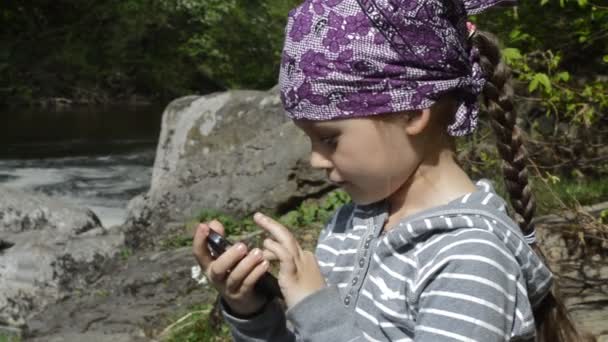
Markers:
<point>49,248</point>
<point>142,295</point>
<point>235,152</point>
<point>581,277</point>
<point>93,337</point>
<point>593,316</point>
<point>22,212</point>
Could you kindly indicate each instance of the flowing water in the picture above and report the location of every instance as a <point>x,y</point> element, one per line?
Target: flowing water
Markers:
<point>98,159</point>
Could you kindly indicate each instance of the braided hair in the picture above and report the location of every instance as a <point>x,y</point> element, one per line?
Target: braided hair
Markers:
<point>553,322</point>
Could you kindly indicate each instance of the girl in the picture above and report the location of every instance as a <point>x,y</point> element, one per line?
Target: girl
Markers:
<point>422,253</point>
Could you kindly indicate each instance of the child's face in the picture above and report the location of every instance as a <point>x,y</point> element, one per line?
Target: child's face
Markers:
<point>368,157</point>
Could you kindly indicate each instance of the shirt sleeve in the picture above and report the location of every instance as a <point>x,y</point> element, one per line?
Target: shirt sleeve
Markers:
<point>268,325</point>
<point>322,317</point>
<point>469,288</point>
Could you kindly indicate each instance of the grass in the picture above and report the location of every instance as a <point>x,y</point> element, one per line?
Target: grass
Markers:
<point>125,253</point>
<point>195,326</point>
<point>573,192</point>
<point>553,194</point>
<point>9,338</point>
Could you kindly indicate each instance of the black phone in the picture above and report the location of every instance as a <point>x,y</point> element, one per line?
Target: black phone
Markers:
<point>268,285</point>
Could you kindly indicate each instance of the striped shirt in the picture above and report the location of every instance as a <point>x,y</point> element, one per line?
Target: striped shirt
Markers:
<point>458,272</point>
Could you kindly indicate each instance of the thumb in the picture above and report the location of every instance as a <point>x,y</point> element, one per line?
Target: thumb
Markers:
<point>217,226</point>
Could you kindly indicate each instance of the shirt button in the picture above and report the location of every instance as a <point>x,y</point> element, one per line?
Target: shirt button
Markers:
<point>366,245</point>
<point>347,300</point>
<point>355,279</point>
<point>361,262</point>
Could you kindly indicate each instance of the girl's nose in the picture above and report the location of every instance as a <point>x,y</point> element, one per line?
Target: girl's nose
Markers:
<point>319,161</point>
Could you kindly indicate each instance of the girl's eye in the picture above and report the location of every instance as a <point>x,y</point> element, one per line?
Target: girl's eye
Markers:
<point>329,141</point>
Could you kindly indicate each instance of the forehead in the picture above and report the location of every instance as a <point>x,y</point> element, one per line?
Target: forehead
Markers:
<point>312,126</point>
<point>356,125</point>
<point>315,127</point>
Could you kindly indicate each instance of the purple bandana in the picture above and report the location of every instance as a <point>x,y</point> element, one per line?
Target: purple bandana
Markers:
<point>352,58</point>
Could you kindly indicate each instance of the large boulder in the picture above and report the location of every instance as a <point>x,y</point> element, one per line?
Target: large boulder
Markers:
<point>234,151</point>
<point>47,249</point>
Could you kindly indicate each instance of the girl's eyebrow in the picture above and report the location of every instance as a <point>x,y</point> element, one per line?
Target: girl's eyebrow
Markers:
<point>326,128</point>
<point>327,125</point>
<point>317,128</point>
<point>324,132</point>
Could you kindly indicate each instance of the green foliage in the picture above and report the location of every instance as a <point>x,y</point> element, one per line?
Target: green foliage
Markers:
<point>125,253</point>
<point>241,40</point>
<point>312,212</point>
<point>102,293</point>
<point>177,241</point>
<point>9,338</point>
<point>559,94</point>
<point>560,68</point>
<point>233,226</point>
<point>555,192</point>
<point>604,217</point>
<point>94,51</point>
<point>545,57</point>
<point>583,191</point>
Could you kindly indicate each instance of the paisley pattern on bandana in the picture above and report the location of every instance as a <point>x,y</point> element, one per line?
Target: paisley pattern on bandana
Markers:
<point>351,58</point>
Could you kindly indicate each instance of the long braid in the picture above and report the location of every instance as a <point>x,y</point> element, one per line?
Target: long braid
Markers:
<point>552,320</point>
<point>498,99</point>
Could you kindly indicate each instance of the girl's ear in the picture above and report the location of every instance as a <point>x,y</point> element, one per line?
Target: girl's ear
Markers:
<point>416,122</point>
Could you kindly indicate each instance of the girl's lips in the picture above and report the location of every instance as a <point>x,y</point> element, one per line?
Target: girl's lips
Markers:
<point>336,182</point>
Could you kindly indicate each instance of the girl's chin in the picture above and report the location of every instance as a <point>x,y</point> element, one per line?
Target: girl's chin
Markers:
<point>355,194</point>
<point>361,199</point>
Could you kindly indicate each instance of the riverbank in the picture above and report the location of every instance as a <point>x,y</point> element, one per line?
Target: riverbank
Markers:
<point>94,157</point>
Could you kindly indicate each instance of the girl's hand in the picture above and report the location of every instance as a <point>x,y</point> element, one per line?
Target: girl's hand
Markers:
<point>234,273</point>
<point>299,274</point>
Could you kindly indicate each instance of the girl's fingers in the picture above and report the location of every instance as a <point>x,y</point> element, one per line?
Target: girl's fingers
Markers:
<point>199,246</point>
<point>218,269</point>
<point>253,276</point>
<point>278,232</point>
<point>199,243</point>
<point>242,270</point>
<point>285,257</point>
<point>270,256</point>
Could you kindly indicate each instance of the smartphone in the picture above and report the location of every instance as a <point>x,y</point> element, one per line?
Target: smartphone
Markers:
<point>267,285</point>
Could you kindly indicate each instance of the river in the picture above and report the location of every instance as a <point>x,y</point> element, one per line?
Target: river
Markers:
<point>98,158</point>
